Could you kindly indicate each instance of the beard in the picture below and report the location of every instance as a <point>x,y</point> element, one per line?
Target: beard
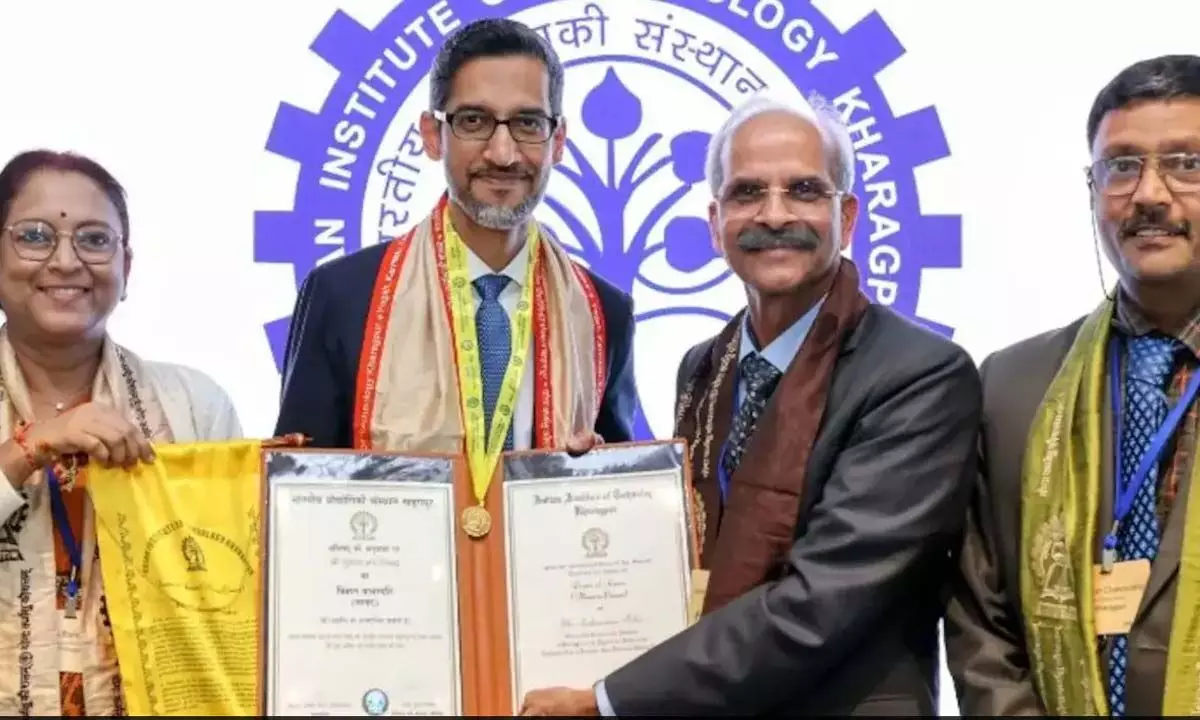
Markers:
<point>499,217</point>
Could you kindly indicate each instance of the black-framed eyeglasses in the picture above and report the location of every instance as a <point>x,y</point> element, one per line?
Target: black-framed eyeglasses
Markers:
<point>479,125</point>
<point>1120,176</point>
<point>37,241</point>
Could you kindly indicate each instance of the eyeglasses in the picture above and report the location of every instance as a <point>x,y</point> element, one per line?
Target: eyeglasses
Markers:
<point>37,240</point>
<point>803,192</point>
<point>1120,176</point>
<point>477,125</point>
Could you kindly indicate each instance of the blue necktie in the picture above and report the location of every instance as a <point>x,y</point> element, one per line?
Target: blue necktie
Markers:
<point>1149,362</point>
<point>493,330</point>
<point>760,377</point>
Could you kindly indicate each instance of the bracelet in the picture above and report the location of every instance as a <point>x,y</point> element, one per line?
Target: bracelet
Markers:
<point>71,473</point>
<point>19,437</point>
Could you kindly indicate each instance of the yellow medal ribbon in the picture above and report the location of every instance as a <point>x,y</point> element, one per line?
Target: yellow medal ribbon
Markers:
<point>485,445</point>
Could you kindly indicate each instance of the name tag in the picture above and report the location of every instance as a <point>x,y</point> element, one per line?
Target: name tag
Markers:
<point>71,644</point>
<point>1118,595</point>
<point>699,589</point>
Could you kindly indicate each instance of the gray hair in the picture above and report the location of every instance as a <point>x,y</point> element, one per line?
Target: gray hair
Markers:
<point>839,149</point>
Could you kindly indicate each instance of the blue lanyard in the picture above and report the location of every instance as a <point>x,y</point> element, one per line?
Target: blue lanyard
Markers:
<point>1123,502</point>
<point>59,509</point>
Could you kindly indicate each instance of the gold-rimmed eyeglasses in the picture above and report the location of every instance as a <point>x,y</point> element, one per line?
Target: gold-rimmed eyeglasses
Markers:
<point>37,240</point>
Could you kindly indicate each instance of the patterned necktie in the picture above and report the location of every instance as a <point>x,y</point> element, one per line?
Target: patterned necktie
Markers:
<point>1149,362</point>
<point>760,377</point>
<point>493,330</point>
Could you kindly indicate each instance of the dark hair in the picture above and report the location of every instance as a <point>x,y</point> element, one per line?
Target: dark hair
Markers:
<point>18,171</point>
<point>1161,78</point>
<point>491,38</point>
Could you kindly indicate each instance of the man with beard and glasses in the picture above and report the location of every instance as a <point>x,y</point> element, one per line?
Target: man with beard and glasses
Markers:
<point>1079,590</point>
<point>833,451</point>
<point>475,330</point>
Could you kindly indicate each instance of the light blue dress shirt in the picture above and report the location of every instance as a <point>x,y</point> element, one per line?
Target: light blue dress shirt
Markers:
<point>780,353</point>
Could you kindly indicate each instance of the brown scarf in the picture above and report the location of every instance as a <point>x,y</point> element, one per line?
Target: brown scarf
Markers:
<point>758,524</point>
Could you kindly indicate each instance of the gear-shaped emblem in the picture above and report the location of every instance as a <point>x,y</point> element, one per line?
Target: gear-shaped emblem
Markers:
<point>644,89</point>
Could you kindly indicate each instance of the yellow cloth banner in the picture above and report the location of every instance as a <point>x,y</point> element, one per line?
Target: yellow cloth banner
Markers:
<point>179,552</point>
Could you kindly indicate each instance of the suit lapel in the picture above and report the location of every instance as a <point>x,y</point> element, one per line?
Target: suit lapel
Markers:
<point>1170,549</point>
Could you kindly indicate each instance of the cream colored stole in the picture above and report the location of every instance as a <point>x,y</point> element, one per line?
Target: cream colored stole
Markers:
<point>416,398</point>
<point>29,615</point>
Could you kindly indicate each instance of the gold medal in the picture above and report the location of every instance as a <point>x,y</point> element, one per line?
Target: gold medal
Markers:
<point>476,521</point>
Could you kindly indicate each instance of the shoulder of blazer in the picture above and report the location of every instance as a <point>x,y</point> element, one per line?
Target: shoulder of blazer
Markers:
<point>884,333</point>
<point>613,300</point>
<point>1033,354</point>
<point>354,267</point>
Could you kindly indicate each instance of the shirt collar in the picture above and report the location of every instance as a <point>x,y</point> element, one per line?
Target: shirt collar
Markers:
<point>1130,320</point>
<point>784,348</point>
<point>515,270</point>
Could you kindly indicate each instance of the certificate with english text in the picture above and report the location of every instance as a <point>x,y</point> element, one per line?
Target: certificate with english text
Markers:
<point>599,554</point>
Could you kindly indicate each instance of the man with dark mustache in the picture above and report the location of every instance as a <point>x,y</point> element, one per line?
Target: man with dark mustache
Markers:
<point>833,448</point>
<point>474,332</point>
<point>1079,589</point>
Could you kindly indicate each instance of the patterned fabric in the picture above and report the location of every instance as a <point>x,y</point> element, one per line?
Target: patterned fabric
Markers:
<point>493,330</point>
<point>760,377</point>
<point>1177,464</point>
<point>1149,362</point>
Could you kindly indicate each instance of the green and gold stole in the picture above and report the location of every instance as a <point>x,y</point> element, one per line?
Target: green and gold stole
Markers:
<point>1060,495</point>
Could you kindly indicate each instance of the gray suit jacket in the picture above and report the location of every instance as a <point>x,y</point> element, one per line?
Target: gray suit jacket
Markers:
<point>985,636</point>
<point>849,625</point>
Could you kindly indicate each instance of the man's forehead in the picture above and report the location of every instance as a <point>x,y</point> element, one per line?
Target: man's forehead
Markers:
<point>778,138</point>
<point>501,84</point>
<point>1150,126</point>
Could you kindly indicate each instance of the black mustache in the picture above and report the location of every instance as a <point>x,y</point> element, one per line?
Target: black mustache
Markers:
<point>800,237</point>
<point>1153,217</point>
<point>502,174</point>
<point>1130,229</point>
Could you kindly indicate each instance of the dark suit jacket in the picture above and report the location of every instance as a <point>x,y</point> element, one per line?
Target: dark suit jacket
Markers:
<point>850,624</point>
<point>985,635</point>
<point>326,337</point>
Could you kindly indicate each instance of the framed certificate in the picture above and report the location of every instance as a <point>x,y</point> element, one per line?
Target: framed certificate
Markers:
<point>380,599</point>
<point>599,551</point>
<point>361,565</point>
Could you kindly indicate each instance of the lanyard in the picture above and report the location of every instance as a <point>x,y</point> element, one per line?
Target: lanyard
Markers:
<point>59,509</point>
<point>1123,501</point>
<point>484,445</point>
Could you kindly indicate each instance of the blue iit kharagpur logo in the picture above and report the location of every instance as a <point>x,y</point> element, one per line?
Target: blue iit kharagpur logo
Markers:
<point>647,81</point>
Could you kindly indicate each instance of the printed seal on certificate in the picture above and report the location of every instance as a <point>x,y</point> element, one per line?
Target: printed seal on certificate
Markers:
<point>375,702</point>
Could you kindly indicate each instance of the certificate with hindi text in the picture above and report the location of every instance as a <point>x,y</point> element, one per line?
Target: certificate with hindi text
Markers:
<point>599,555</point>
<point>361,585</point>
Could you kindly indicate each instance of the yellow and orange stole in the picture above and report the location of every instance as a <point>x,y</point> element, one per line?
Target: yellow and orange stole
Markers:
<point>179,553</point>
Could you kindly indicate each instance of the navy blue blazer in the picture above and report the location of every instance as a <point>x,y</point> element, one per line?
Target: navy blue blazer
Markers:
<point>326,337</point>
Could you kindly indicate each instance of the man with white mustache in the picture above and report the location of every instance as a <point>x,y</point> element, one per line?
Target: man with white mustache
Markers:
<point>833,447</point>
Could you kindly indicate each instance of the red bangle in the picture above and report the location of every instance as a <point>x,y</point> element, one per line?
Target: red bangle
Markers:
<point>19,438</point>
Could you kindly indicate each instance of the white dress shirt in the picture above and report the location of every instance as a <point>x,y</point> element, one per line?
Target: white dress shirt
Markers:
<point>522,422</point>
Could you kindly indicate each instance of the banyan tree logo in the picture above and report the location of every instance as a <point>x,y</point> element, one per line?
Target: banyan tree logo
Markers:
<point>647,82</point>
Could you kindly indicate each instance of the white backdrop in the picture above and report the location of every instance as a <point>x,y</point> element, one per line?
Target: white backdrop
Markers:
<point>180,100</point>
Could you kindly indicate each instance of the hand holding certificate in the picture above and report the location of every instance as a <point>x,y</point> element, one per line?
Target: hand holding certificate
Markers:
<point>245,579</point>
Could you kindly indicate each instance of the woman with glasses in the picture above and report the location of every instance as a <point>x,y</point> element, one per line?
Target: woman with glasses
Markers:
<point>69,395</point>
